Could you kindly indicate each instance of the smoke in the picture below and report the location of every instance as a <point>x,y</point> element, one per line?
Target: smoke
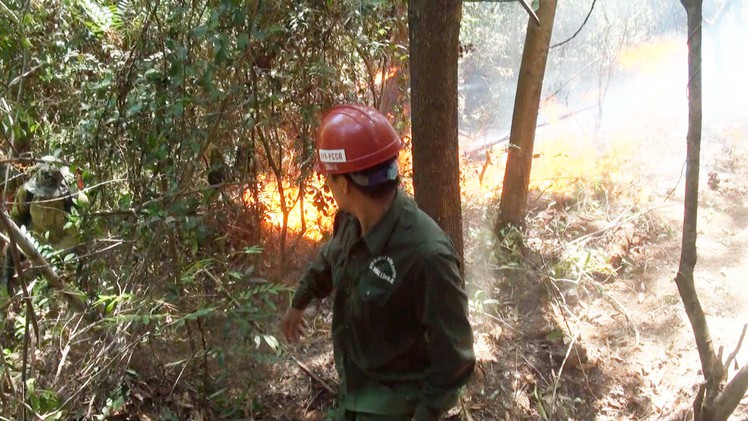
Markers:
<point>616,92</point>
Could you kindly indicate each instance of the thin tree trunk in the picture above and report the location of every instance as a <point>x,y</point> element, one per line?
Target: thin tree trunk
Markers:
<point>434,36</point>
<point>525,117</point>
<point>684,279</point>
<point>711,403</point>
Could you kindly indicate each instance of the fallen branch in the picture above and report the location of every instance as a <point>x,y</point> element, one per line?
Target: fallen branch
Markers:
<point>311,374</point>
<point>586,237</point>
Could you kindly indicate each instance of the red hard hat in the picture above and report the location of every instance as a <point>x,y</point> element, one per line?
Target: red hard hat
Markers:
<point>354,137</point>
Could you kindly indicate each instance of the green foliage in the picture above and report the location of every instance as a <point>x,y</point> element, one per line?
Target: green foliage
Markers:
<point>145,100</point>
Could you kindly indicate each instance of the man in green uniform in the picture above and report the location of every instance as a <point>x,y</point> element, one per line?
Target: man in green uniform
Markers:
<point>401,337</point>
<point>42,205</point>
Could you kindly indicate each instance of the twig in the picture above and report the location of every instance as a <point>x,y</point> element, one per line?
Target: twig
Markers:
<point>24,367</point>
<point>30,314</point>
<point>530,12</point>
<point>732,356</point>
<point>311,374</point>
<point>617,224</point>
<point>498,319</point>
<point>620,308</point>
<point>465,409</point>
<point>61,363</point>
<point>592,7</point>
<point>24,75</point>
<point>104,368</point>
<point>223,289</point>
<point>174,386</point>
<point>557,380</point>
<point>9,12</point>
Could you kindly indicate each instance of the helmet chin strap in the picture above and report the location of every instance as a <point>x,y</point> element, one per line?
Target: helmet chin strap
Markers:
<point>376,177</point>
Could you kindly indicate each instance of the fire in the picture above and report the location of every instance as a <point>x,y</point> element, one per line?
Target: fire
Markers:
<point>314,223</point>
<point>650,57</point>
<point>381,77</point>
<point>563,164</point>
<point>560,164</point>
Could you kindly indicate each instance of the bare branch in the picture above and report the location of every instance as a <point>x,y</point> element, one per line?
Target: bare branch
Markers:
<point>8,11</point>
<point>24,75</point>
<point>592,7</point>
<point>530,12</point>
<point>731,357</point>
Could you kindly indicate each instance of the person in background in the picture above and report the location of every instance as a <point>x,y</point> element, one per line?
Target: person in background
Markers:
<point>43,205</point>
<point>402,341</point>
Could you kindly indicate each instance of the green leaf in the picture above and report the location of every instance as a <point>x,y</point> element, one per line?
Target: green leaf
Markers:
<point>153,75</point>
<point>199,31</point>
<point>134,109</point>
<point>555,335</point>
<point>242,41</point>
<point>195,146</point>
<point>177,109</point>
<point>272,342</point>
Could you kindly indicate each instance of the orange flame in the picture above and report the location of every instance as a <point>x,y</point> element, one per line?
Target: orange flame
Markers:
<point>650,57</point>
<point>314,223</point>
<point>381,78</point>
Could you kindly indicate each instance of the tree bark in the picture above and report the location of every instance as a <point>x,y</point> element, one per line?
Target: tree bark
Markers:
<point>434,36</point>
<point>525,117</point>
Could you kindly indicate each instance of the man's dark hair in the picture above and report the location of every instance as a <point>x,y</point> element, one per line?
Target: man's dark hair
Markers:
<point>380,190</point>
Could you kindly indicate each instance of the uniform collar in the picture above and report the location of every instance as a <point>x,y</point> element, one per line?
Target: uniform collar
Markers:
<point>377,237</point>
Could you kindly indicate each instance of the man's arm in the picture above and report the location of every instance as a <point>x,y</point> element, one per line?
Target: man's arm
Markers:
<point>317,279</point>
<point>444,314</point>
<point>315,283</point>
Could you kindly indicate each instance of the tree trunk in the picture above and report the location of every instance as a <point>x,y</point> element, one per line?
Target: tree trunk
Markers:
<point>434,36</point>
<point>525,117</point>
<point>711,404</point>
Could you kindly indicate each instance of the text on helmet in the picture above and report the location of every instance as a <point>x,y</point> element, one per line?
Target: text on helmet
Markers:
<point>332,155</point>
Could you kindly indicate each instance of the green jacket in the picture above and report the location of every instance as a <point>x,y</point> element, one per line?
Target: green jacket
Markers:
<point>401,336</point>
<point>48,216</point>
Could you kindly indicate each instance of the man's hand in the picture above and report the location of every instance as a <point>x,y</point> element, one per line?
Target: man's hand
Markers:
<point>293,325</point>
